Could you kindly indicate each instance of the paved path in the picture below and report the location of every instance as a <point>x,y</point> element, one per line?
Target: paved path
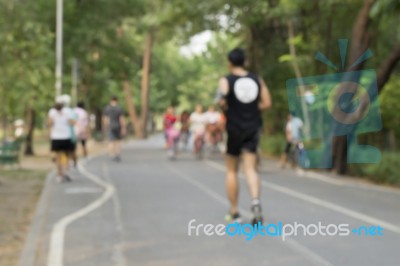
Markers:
<point>137,212</point>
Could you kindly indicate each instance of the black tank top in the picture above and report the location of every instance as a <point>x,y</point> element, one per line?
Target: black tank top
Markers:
<point>243,97</point>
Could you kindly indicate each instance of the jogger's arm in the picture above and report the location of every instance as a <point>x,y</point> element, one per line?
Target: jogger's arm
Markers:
<point>265,99</point>
<point>223,89</point>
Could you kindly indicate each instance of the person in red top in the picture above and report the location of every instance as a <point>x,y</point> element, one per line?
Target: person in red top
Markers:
<point>168,121</point>
<point>170,132</point>
<point>169,118</point>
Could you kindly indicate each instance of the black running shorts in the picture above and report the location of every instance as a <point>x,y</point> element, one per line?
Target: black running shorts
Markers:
<point>61,145</point>
<point>114,134</point>
<point>288,147</point>
<point>239,141</point>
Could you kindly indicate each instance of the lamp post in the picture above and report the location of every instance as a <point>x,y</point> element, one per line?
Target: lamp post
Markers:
<point>59,47</point>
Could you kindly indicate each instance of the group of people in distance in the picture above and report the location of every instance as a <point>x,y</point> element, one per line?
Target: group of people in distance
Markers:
<point>242,96</point>
<point>69,127</point>
<point>203,127</point>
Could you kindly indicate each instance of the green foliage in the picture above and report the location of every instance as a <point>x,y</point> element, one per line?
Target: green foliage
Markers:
<point>24,53</point>
<point>385,172</point>
<point>389,104</point>
<point>273,144</point>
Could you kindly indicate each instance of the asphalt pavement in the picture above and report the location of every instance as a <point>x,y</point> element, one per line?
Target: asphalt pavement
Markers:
<point>137,212</point>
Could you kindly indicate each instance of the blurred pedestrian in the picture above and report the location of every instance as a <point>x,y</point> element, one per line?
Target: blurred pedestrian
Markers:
<point>66,100</point>
<point>213,128</point>
<point>198,127</point>
<point>172,130</point>
<point>82,126</point>
<point>169,120</point>
<point>115,126</point>
<point>293,130</point>
<point>59,122</point>
<point>185,128</point>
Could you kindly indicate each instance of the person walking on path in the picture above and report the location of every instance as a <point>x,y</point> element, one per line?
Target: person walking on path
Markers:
<point>82,127</point>
<point>59,122</point>
<point>243,97</point>
<point>293,130</point>
<point>115,126</point>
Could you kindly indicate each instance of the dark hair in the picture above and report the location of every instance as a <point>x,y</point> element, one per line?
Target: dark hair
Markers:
<point>237,57</point>
<point>114,98</point>
<point>58,106</point>
<point>81,105</point>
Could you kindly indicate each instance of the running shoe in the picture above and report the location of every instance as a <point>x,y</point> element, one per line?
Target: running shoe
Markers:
<point>171,154</point>
<point>257,212</point>
<point>233,218</point>
<point>116,158</point>
<point>67,178</point>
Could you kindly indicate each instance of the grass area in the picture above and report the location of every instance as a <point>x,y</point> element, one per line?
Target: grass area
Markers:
<point>19,193</point>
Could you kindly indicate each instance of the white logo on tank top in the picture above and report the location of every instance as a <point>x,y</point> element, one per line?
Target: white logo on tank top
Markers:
<point>246,90</point>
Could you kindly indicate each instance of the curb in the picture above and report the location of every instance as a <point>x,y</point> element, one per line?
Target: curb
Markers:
<point>30,249</point>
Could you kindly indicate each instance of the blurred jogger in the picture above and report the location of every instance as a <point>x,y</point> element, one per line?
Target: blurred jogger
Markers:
<point>243,95</point>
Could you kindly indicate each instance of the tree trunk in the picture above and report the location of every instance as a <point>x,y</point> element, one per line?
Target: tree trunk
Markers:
<point>142,132</point>
<point>98,121</point>
<point>31,129</point>
<point>392,140</point>
<point>359,43</point>
<point>133,117</point>
<point>387,67</point>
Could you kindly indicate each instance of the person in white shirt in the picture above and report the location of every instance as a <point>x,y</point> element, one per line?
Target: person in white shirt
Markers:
<point>293,129</point>
<point>66,100</point>
<point>213,120</point>
<point>82,126</point>
<point>59,123</point>
<point>198,127</point>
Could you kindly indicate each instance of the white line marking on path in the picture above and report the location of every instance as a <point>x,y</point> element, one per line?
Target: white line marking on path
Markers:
<point>118,255</point>
<point>359,184</point>
<point>294,245</point>
<point>319,177</point>
<point>316,201</point>
<point>82,190</point>
<point>56,249</point>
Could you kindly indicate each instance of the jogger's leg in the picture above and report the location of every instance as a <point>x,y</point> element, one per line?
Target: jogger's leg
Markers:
<point>250,171</point>
<point>232,183</point>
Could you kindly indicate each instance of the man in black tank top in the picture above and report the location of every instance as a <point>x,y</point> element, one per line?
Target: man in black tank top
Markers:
<point>244,96</point>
